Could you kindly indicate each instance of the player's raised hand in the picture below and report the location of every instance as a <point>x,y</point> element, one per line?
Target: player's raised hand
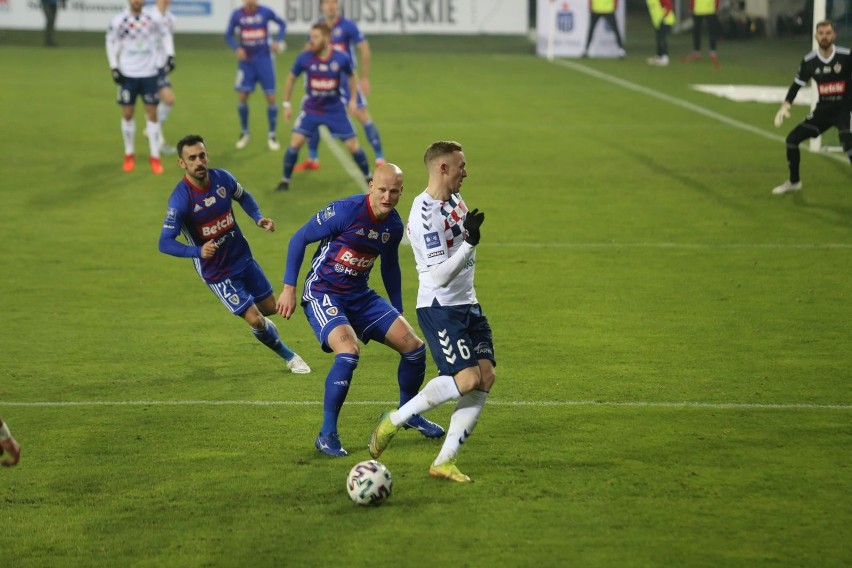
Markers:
<point>286,304</point>
<point>208,249</point>
<point>783,112</point>
<point>266,224</point>
<point>472,222</point>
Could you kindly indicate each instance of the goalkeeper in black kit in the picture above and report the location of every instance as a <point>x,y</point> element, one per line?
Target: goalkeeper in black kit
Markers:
<point>830,67</point>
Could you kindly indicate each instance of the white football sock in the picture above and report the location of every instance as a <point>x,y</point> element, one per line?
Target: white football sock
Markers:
<point>436,392</point>
<point>163,111</point>
<point>128,133</point>
<point>462,423</point>
<point>153,129</point>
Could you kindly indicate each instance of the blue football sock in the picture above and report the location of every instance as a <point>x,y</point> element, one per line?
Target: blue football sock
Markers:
<point>272,117</point>
<point>336,388</point>
<point>269,337</point>
<point>290,157</point>
<point>313,145</point>
<point>242,110</point>
<point>361,159</point>
<point>373,138</point>
<point>411,372</point>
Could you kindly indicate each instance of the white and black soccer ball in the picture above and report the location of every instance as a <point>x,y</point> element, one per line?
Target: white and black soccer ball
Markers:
<point>369,483</point>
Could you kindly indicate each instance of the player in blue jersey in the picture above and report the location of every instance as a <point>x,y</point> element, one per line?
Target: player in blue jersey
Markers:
<point>444,235</point>
<point>8,444</point>
<point>200,208</point>
<point>325,71</point>
<point>255,63</point>
<point>345,37</point>
<point>353,233</point>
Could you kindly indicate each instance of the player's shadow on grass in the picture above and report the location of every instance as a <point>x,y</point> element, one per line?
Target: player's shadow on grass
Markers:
<point>660,168</point>
<point>814,202</point>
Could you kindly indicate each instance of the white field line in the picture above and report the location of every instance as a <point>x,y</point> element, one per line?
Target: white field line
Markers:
<point>711,246</point>
<point>380,403</point>
<point>682,104</point>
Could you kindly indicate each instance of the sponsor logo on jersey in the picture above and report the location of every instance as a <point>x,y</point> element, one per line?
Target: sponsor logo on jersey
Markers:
<point>373,234</point>
<point>171,216</point>
<point>197,208</point>
<point>360,232</point>
<point>322,84</point>
<point>252,34</point>
<point>432,240</point>
<point>208,201</point>
<point>484,349</point>
<point>359,261</point>
<point>218,225</point>
<point>435,254</point>
<point>832,88</point>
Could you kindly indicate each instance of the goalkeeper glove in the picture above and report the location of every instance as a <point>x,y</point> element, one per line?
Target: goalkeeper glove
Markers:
<point>783,112</point>
<point>472,221</point>
<point>117,77</point>
<point>170,64</point>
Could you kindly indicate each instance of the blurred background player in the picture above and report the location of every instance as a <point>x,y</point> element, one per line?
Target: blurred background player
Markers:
<point>444,235</point>
<point>200,208</point>
<point>9,445</point>
<point>829,67</point>
<point>603,10</point>
<point>345,37</point>
<point>50,8</point>
<point>326,70</point>
<point>353,233</point>
<point>166,64</point>
<point>662,18</point>
<point>255,63</point>
<point>703,15</point>
<point>133,42</point>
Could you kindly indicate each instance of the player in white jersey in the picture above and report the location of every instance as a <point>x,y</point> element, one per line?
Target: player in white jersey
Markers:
<point>444,235</point>
<point>166,64</point>
<point>132,46</point>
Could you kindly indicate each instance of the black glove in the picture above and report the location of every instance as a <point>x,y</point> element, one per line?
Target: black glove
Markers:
<point>472,221</point>
<point>170,64</point>
<point>117,77</point>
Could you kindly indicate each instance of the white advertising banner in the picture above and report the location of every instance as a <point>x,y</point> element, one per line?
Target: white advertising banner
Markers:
<point>562,27</point>
<point>372,16</point>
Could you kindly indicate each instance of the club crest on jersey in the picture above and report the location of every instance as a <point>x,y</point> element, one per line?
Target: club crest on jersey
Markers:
<point>234,299</point>
<point>221,192</point>
<point>838,67</point>
<point>431,240</point>
<point>385,237</point>
<point>332,311</point>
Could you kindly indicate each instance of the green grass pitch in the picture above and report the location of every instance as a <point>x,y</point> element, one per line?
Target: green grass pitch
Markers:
<point>673,342</point>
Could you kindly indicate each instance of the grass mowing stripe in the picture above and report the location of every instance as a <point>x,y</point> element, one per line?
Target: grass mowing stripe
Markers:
<point>632,404</point>
<point>683,104</point>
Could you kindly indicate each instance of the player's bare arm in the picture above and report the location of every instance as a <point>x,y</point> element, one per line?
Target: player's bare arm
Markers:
<point>288,92</point>
<point>366,56</point>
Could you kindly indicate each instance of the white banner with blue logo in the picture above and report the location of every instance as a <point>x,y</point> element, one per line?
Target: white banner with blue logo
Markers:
<point>562,27</point>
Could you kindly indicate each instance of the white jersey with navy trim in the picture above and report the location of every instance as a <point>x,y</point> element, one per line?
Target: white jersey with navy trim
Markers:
<point>134,41</point>
<point>436,233</point>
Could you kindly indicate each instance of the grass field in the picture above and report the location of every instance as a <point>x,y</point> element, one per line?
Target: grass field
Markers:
<point>673,342</point>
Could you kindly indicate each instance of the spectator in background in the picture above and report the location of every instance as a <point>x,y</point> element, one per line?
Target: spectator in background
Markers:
<point>603,9</point>
<point>50,8</point>
<point>703,14</point>
<point>10,445</point>
<point>255,63</point>
<point>663,18</point>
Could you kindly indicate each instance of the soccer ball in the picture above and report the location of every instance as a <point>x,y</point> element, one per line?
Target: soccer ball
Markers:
<point>369,483</point>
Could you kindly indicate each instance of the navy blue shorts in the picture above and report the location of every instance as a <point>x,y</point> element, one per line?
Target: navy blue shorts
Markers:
<point>338,124</point>
<point>458,336</point>
<point>239,292</point>
<point>370,315</point>
<point>133,87</point>
<point>252,71</point>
